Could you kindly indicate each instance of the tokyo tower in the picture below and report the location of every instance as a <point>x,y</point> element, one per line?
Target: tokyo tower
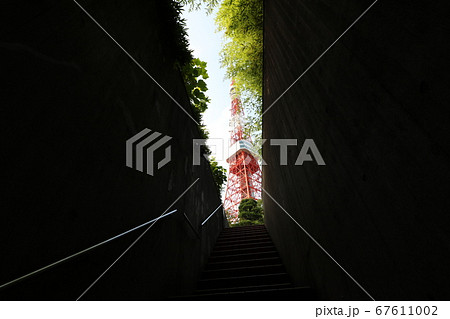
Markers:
<point>244,174</point>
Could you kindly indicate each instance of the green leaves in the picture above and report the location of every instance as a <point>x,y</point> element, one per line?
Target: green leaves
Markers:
<point>198,4</point>
<point>219,174</point>
<point>194,74</point>
<point>175,42</point>
<point>202,85</point>
<point>242,54</point>
<point>250,212</point>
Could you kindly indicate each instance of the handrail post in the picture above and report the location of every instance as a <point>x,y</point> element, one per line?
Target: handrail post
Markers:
<point>192,226</point>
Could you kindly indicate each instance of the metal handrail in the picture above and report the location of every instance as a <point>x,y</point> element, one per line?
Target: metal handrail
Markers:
<point>192,226</point>
<point>108,240</point>
<point>85,250</point>
<point>204,222</point>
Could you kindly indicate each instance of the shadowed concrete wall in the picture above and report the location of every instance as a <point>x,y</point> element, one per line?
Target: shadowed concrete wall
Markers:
<point>377,107</point>
<point>70,98</point>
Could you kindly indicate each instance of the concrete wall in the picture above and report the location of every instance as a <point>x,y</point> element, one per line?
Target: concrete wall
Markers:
<point>377,107</point>
<point>70,98</point>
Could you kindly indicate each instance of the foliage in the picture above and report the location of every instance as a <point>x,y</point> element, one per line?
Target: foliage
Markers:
<point>250,212</point>
<point>175,42</point>
<point>242,23</point>
<point>193,71</point>
<point>194,74</point>
<point>242,54</point>
<point>219,174</point>
<point>198,4</point>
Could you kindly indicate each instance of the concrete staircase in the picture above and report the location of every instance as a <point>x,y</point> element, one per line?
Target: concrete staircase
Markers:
<point>245,265</point>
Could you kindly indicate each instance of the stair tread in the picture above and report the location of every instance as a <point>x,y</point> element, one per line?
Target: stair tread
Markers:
<point>246,254</point>
<point>272,286</point>
<point>240,238</point>
<point>255,290</point>
<point>242,277</point>
<point>243,249</point>
<point>243,245</point>
<point>243,235</point>
<point>245,260</point>
<point>244,230</point>
<point>242,268</point>
<point>245,265</point>
<point>234,239</point>
<point>257,232</point>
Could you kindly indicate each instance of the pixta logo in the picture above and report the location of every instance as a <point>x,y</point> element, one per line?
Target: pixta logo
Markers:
<point>141,148</point>
<point>308,147</point>
<point>219,152</point>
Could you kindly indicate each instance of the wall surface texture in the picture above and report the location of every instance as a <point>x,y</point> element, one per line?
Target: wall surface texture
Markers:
<point>70,98</point>
<point>377,107</point>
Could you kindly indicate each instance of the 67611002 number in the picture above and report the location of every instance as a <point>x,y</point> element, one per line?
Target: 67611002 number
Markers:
<point>406,310</point>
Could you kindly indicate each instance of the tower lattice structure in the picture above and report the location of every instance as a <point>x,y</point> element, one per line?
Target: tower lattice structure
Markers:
<point>244,173</point>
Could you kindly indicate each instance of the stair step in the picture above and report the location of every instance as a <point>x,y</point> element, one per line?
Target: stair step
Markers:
<point>243,263</point>
<point>244,232</point>
<point>243,271</point>
<point>284,294</point>
<point>275,278</point>
<point>236,251</point>
<point>243,245</point>
<point>242,236</point>
<point>243,288</point>
<point>243,240</point>
<point>242,256</point>
<point>245,227</point>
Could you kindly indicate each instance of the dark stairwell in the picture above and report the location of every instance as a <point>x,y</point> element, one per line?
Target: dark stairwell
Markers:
<point>245,265</point>
<point>70,100</point>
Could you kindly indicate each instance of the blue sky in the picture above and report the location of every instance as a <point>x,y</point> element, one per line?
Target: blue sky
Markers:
<point>206,44</point>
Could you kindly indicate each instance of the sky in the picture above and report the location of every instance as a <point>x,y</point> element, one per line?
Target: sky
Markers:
<point>206,44</point>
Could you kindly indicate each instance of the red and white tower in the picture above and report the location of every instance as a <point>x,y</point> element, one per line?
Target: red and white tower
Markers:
<point>244,173</point>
